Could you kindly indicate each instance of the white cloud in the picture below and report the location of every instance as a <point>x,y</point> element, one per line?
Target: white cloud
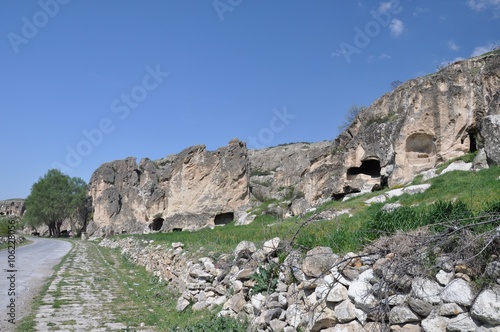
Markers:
<point>453,46</point>
<point>420,11</point>
<point>479,5</point>
<point>384,56</point>
<point>397,27</point>
<point>483,49</point>
<point>384,6</point>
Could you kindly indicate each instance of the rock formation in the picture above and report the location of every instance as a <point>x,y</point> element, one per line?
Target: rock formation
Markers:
<point>12,207</point>
<point>193,189</point>
<point>422,123</point>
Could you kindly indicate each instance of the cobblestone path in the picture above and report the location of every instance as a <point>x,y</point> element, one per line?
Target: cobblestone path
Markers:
<point>87,294</point>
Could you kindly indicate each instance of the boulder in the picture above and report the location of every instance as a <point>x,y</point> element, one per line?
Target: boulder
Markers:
<point>427,290</point>
<point>345,311</point>
<point>401,315</point>
<point>458,291</point>
<point>461,323</point>
<point>490,132</point>
<point>245,249</point>
<point>319,261</point>
<point>486,307</point>
<point>434,324</point>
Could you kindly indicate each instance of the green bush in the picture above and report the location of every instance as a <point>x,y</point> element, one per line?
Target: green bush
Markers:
<point>5,224</point>
<point>266,279</point>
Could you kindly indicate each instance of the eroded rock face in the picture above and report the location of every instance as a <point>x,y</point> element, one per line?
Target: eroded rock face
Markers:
<point>12,207</point>
<point>423,122</point>
<point>420,124</point>
<point>193,189</point>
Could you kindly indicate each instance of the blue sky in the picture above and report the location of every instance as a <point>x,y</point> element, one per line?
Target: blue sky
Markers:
<point>85,82</point>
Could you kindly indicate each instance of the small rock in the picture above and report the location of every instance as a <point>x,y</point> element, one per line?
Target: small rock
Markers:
<point>449,309</point>
<point>427,290</point>
<point>182,304</point>
<point>401,315</point>
<point>406,328</point>
<point>434,324</point>
<point>271,246</point>
<point>245,249</point>
<point>458,291</point>
<point>345,312</point>
<point>420,307</point>
<point>277,325</point>
<point>444,277</point>
<point>318,261</point>
<point>486,307</point>
<point>461,323</point>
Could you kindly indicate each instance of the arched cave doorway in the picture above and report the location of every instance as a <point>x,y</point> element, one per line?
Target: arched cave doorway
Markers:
<point>157,224</point>
<point>223,218</point>
<point>421,145</point>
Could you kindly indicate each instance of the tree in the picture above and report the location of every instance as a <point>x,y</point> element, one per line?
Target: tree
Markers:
<point>351,114</point>
<point>54,198</point>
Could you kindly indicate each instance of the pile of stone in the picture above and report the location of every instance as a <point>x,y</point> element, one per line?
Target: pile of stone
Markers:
<point>18,239</point>
<point>322,291</point>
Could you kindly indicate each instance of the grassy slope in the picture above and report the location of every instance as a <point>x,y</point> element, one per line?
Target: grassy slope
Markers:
<point>343,234</point>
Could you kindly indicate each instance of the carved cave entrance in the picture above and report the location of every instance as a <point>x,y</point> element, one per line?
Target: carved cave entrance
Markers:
<point>223,218</point>
<point>157,224</point>
<point>420,146</point>
<point>369,167</point>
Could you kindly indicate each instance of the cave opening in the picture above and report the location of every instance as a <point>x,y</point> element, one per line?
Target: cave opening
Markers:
<point>157,224</point>
<point>472,141</point>
<point>224,218</point>
<point>369,167</point>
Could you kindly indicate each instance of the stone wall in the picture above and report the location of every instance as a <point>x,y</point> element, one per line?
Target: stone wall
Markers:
<point>321,291</point>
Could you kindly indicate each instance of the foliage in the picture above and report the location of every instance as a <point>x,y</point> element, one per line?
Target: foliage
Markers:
<point>4,226</point>
<point>54,198</point>
<point>350,116</point>
<point>478,190</point>
<point>215,324</point>
<point>410,218</point>
<point>265,279</point>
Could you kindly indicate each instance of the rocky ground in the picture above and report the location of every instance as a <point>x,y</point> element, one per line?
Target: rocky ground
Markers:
<point>87,294</point>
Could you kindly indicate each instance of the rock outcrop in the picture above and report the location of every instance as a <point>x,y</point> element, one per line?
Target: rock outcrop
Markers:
<point>193,189</point>
<point>12,207</point>
<point>422,123</point>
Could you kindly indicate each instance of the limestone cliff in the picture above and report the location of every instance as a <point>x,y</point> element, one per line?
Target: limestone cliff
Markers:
<point>420,124</point>
<point>12,207</point>
<point>190,190</point>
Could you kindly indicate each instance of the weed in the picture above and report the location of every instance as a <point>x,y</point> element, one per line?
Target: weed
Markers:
<point>265,279</point>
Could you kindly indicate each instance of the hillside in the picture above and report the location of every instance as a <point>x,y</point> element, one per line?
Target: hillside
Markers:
<point>421,124</point>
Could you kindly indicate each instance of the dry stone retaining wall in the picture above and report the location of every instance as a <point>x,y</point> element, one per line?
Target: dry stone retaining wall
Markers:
<point>321,291</point>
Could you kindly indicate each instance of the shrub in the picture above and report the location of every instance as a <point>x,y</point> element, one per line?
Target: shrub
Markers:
<point>266,279</point>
